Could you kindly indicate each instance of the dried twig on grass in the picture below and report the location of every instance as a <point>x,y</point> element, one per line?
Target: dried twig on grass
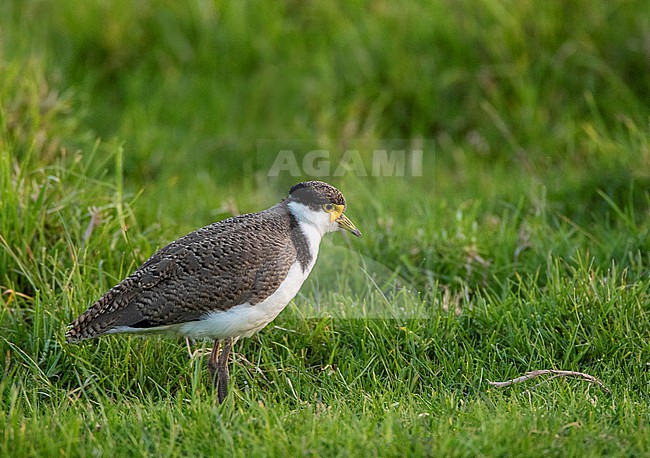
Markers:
<point>553,374</point>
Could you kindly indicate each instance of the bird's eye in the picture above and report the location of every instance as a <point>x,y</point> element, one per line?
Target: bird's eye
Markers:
<point>328,207</point>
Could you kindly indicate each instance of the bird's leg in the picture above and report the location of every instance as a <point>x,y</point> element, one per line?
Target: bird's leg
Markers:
<point>213,364</point>
<point>223,375</point>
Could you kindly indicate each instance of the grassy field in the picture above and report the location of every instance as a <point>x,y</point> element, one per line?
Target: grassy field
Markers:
<point>523,244</point>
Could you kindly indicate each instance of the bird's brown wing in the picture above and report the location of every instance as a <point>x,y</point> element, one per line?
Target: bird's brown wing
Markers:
<point>235,261</point>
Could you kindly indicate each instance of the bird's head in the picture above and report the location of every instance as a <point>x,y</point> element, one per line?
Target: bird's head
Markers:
<point>320,204</point>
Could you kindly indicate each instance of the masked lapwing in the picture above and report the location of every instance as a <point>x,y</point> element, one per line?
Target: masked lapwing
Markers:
<point>223,281</point>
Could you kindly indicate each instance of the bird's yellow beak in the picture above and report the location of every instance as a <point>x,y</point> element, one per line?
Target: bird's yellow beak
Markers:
<point>343,221</point>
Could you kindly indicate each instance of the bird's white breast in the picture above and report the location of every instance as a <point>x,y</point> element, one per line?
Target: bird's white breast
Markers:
<point>244,320</point>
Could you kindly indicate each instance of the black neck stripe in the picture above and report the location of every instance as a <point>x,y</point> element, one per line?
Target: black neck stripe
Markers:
<point>300,243</point>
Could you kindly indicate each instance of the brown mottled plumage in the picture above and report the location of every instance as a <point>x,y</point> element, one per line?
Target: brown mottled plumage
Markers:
<point>237,260</point>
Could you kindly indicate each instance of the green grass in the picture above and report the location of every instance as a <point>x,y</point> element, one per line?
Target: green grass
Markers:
<point>524,245</point>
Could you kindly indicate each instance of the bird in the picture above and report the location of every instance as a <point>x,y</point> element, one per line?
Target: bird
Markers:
<point>224,281</point>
